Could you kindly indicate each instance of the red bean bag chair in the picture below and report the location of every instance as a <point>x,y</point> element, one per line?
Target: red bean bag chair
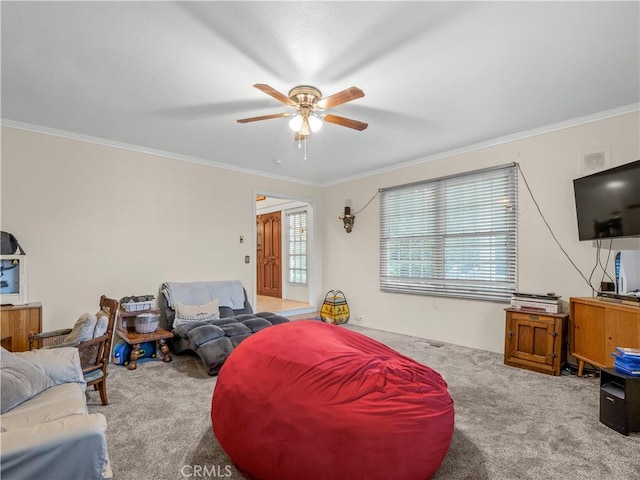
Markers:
<point>306,400</point>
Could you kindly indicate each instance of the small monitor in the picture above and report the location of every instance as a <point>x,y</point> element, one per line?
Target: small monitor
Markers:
<point>13,279</point>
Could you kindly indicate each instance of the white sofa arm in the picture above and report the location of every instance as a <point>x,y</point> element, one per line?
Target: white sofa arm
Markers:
<point>73,447</point>
<point>61,364</point>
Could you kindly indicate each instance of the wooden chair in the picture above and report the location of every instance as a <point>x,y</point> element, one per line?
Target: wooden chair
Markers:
<point>94,353</point>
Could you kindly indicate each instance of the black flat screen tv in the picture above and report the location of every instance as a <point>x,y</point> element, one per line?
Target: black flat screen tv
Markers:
<point>608,203</point>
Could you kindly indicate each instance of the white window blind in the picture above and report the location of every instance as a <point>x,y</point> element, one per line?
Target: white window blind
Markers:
<point>297,247</point>
<point>454,236</point>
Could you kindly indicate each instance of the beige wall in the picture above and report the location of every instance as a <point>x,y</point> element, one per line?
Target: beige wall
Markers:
<point>95,219</point>
<point>550,162</point>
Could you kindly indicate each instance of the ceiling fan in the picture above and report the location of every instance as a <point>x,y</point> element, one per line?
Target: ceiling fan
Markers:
<point>310,105</point>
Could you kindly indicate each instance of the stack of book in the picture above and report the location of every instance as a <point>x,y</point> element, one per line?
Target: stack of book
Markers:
<point>627,361</point>
<point>547,303</point>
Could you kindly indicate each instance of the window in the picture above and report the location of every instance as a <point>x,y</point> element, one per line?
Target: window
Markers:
<point>453,236</point>
<point>297,246</point>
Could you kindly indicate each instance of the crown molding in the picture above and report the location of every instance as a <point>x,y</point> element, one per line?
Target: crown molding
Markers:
<point>575,122</point>
<point>614,112</point>
<point>145,150</point>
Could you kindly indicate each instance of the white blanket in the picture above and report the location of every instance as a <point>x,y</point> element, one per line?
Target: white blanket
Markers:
<point>230,293</point>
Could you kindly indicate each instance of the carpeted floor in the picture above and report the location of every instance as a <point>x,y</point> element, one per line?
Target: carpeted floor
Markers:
<point>510,423</point>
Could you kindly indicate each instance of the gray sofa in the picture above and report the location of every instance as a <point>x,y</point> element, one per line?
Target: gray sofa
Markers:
<point>47,431</point>
<point>212,340</point>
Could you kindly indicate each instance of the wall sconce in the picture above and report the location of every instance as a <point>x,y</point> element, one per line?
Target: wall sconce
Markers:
<point>348,218</point>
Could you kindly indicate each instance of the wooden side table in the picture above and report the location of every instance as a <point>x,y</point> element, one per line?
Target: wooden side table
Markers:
<point>535,340</point>
<point>128,334</point>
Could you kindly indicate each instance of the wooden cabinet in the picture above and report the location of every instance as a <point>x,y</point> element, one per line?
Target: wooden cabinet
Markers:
<point>17,323</point>
<point>535,341</point>
<point>597,327</point>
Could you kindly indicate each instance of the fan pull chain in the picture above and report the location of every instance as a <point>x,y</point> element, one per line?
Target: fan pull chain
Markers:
<point>300,142</point>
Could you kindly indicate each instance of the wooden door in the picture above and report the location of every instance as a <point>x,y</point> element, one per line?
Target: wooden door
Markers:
<point>268,255</point>
<point>588,332</point>
<point>623,330</point>
<point>532,338</point>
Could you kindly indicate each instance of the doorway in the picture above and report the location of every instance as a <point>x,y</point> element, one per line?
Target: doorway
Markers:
<point>285,255</point>
<point>269,254</point>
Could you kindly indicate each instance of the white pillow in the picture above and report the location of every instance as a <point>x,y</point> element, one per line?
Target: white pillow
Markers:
<point>19,380</point>
<point>82,330</point>
<point>61,365</point>
<point>101,324</point>
<point>196,313</point>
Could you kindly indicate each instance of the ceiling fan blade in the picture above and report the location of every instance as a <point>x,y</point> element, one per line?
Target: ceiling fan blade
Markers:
<point>351,93</point>
<point>297,137</point>
<point>264,117</point>
<point>281,97</point>
<point>345,122</point>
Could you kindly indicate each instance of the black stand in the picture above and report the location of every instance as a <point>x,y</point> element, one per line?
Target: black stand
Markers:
<point>619,401</point>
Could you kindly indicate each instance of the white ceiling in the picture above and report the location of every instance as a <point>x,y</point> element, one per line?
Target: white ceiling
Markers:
<point>173,77</point>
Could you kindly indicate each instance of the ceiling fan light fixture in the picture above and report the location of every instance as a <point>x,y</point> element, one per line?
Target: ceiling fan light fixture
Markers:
<point>309,103</point>
<point>315,122</point>
<point>296,123</point>
<point>305,128</point>
<point>304,123</point>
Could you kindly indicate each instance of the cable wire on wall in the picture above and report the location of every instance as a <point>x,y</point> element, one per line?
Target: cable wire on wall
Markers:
<point>367,204</point>
<point>604,268</point>
<point>588,281</point>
